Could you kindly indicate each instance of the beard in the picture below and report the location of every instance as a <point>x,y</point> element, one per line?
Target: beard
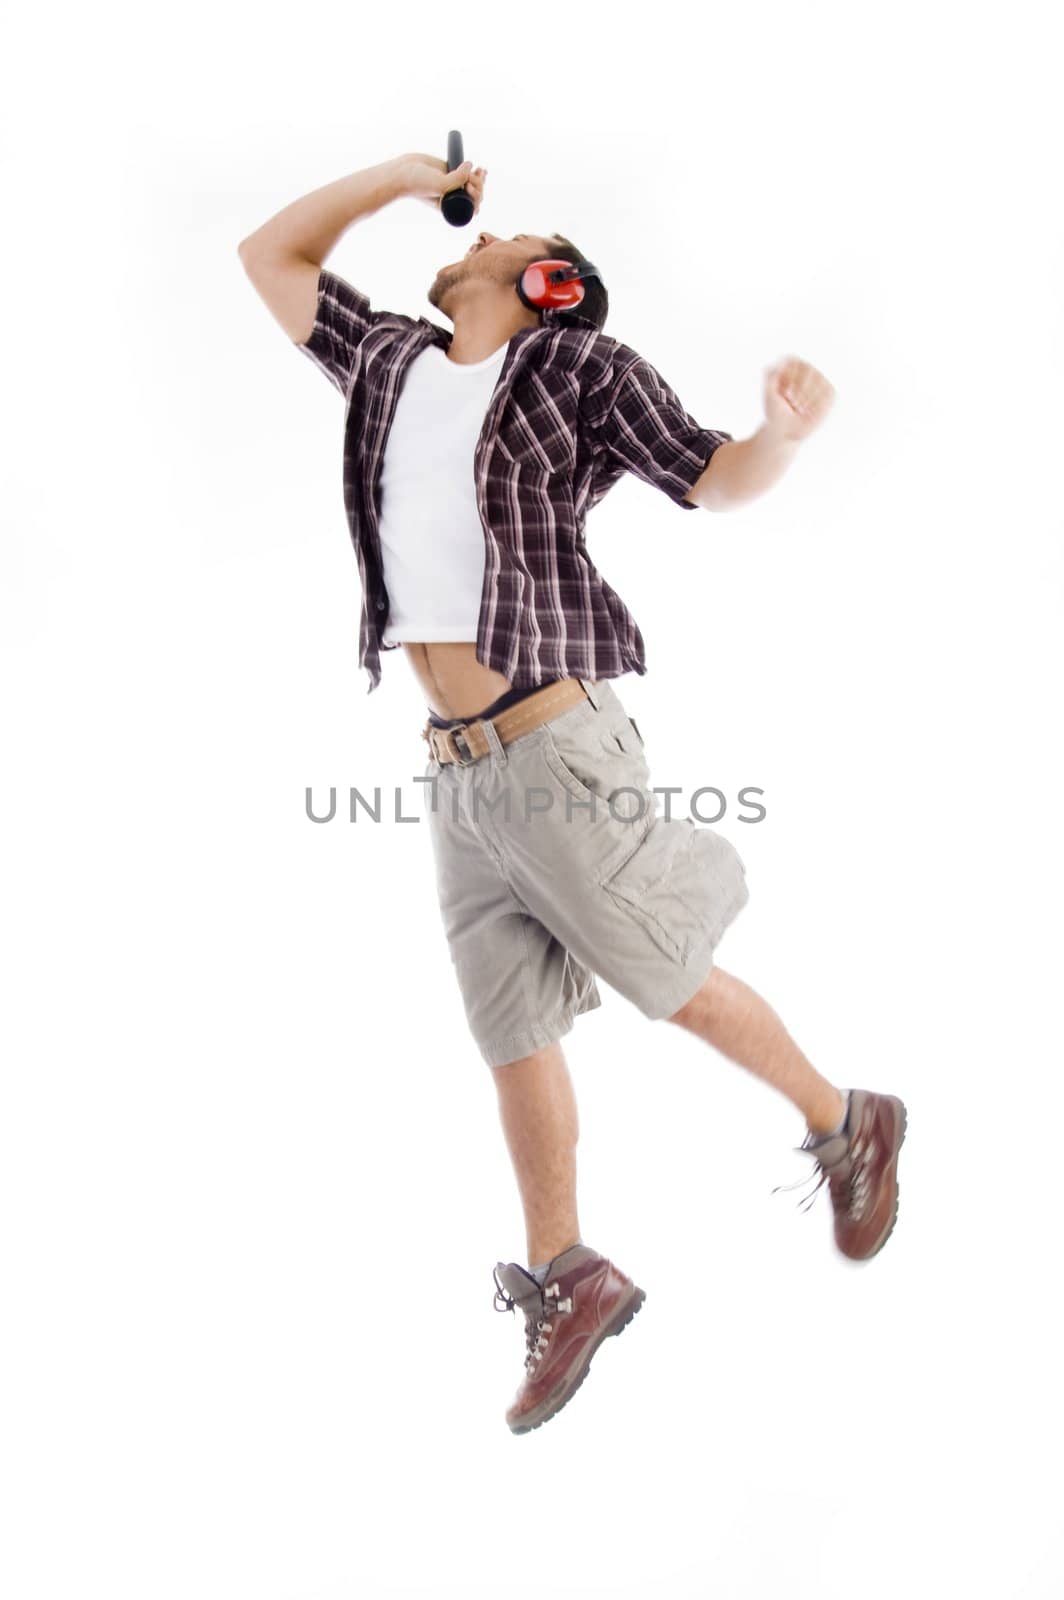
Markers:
<point>443,282</point>
<point>447,277</point>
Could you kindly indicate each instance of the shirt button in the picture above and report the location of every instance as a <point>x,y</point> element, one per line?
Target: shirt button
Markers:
<point>380,605</point>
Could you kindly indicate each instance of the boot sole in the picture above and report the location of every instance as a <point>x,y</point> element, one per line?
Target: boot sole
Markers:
<point>620,1320</point>
<point>897,1189</point>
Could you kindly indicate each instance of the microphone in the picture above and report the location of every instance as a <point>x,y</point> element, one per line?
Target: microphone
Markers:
<point>456,204</point>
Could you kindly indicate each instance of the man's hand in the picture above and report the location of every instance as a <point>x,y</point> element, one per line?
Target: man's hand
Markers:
<point>797,398</point>
<point>425,177</point>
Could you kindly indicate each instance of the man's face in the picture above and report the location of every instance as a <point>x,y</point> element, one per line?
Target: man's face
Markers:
<point>490,260</point>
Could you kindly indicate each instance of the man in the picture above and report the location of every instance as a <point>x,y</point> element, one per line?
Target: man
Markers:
<point>471,459</point>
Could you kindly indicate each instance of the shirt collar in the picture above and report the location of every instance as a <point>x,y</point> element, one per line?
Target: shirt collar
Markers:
<point>550,316</point>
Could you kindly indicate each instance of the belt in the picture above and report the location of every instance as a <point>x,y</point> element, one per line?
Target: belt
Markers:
<point>446,743</point>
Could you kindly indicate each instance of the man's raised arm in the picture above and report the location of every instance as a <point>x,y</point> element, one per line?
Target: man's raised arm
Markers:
<point>283,258</point>
<point>797,399</point>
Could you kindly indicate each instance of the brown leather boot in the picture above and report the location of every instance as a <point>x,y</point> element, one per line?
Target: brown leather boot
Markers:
<point>584,1299</point>
<point>860,1165</point>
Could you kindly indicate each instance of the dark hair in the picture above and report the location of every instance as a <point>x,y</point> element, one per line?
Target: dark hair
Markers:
<point>596,302</point>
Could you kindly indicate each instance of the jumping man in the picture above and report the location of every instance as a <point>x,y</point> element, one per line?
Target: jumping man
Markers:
<point>472,456</point>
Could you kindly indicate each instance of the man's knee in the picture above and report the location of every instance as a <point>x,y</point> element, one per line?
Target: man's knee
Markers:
<point>529,1066</point>
<point>701,1005</point>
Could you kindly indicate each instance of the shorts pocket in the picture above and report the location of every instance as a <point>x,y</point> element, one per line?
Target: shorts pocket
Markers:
<point>623,735</point>
<point>564,769</point>
<point>600,761</point>
<point>683,885</point>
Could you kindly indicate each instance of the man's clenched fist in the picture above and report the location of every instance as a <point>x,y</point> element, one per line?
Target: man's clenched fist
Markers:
<point>797,397</point>
<point>425,177</point>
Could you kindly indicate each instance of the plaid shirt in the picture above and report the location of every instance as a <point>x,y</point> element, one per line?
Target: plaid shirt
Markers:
<point>571,411</point>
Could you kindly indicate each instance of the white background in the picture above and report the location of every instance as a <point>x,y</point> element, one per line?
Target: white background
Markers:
<point>253,1180</point>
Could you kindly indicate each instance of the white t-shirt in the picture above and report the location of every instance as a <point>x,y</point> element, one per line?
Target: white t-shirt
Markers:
<point>432,541</point>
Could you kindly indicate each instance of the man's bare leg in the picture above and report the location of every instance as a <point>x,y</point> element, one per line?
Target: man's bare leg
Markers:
<point>732,1017</point>
<point>537,1106</point>
<point>537,1102</point>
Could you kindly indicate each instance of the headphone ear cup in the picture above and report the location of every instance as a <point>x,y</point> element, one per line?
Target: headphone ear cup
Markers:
<point>536,292</point>
<point>525,287</point>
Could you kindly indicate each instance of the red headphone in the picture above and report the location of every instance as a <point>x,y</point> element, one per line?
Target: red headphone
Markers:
<point>554,283</point>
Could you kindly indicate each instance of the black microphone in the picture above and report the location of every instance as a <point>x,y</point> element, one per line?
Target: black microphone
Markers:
<point>457,204</point>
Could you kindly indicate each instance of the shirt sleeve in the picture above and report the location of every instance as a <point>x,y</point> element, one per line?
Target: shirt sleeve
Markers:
<point>648,432</point>
<point>343,319</point>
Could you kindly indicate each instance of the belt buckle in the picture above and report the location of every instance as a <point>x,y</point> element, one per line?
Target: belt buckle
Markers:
<point>444,739</point>
<point>452,735</point>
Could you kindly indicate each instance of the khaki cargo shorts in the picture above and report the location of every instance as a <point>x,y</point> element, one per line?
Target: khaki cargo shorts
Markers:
<point>544,884</point>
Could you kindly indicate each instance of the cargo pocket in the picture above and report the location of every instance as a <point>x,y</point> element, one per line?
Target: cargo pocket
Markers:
<point>683,885</point>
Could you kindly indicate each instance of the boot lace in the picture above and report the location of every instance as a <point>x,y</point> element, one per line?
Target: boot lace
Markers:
<point>537,1328</point>
<point>853,1191</point>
